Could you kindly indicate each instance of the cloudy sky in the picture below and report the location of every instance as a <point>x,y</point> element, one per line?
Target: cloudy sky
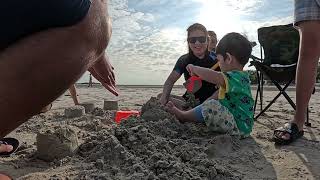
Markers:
<point>150,35</point>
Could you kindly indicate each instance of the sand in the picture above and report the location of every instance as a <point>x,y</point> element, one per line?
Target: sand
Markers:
<point>156,145</point>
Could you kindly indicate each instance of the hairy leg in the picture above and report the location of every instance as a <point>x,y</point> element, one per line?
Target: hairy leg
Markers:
<point>309,54</point>
<point>47,63</point>
<point>307,67</point>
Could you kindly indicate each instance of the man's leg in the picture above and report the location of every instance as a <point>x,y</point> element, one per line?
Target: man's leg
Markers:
<point>38,69</point>
<point>307,67</point>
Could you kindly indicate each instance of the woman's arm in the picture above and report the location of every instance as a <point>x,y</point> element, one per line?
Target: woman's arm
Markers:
<point>168,85</point>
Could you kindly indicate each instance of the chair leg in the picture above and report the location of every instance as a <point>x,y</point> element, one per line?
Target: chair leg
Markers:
<point>257,93</point>
<point>267,107</point>
<point>281,91</point>
<point>261,91</point>
<point>307,123</point>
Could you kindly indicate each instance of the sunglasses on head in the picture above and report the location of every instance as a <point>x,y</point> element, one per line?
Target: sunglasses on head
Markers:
<point>200,39</point>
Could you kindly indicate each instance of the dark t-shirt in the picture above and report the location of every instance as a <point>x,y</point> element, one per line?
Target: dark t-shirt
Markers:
<point>207,89</point>
<point>22,18</point>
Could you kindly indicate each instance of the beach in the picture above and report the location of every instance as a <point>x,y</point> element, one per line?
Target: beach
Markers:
<point>157,146</point>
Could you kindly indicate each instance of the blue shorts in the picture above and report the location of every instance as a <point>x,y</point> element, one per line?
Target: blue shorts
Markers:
<point>217,117</point>
<point>306,10</point>
<point>22,18</point>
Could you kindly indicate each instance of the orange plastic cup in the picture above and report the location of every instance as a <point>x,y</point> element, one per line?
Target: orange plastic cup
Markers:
<point>122,115</point>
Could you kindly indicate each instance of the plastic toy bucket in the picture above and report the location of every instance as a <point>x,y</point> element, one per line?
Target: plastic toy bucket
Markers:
<point>121,115</point>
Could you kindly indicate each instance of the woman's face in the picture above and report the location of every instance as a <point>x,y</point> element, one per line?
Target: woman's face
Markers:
<point>198,43</point>
<point>212,43</point>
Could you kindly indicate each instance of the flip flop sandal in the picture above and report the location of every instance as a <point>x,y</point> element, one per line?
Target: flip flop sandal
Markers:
<point>9,141</point>
<point>289,128</point>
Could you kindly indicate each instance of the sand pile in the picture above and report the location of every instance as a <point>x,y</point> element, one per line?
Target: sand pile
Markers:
<point>153,146</point>
<point>156,146</point>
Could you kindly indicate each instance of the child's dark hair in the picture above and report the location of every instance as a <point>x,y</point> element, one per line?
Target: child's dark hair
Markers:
<point>237,45</point>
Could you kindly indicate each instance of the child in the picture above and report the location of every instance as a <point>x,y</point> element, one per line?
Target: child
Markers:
<point>230,110</point>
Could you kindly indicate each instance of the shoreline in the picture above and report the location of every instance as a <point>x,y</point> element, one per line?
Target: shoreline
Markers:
<point>253,87</point>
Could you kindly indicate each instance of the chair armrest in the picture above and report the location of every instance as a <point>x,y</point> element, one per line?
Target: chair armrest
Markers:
<point>254,58</point>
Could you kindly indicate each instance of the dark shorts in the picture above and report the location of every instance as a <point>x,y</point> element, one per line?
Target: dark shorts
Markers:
<point>20,18</point>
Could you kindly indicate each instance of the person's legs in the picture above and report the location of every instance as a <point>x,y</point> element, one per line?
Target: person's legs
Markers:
<point>217,117</point>
<point>307,20</point>
<point>47,63</point>
<point>307,67</point>
<point>73,93</point>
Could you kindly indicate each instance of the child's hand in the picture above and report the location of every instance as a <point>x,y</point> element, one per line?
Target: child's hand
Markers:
<point>190,69</point>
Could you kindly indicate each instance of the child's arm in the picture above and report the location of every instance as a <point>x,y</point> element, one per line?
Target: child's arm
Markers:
<point>213,96</point>
<point>206,74</point>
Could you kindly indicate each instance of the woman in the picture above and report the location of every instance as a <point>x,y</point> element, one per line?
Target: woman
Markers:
<point>198,55</point>
<point>212,41</point>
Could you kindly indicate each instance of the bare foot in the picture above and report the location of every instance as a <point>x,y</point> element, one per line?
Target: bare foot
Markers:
<point>5,148</point>
<point>171,108</point>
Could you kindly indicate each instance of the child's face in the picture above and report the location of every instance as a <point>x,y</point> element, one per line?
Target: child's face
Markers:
<point>223,62</point>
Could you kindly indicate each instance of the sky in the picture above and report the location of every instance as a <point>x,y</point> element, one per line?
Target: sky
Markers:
<point>148,36</point>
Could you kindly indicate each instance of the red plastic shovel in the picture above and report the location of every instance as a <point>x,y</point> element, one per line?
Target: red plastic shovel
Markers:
<point>194,83</point>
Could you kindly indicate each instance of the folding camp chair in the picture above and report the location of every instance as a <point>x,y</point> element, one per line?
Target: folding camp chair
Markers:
<point>280,45</point>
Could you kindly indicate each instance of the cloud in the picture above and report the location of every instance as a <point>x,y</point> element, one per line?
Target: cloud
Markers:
<point>149,36</point>
<point>140,44</point>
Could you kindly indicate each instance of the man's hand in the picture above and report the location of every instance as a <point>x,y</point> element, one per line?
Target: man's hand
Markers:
<point>102,70</point>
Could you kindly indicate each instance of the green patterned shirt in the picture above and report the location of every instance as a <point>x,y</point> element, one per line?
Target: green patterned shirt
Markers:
<point>238,99</point>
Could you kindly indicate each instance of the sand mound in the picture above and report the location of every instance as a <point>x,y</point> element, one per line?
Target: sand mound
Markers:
<point>157,146</point>
<point>56,144</point>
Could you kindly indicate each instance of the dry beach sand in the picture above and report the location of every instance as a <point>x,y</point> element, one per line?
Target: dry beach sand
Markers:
<point>155,145</point>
